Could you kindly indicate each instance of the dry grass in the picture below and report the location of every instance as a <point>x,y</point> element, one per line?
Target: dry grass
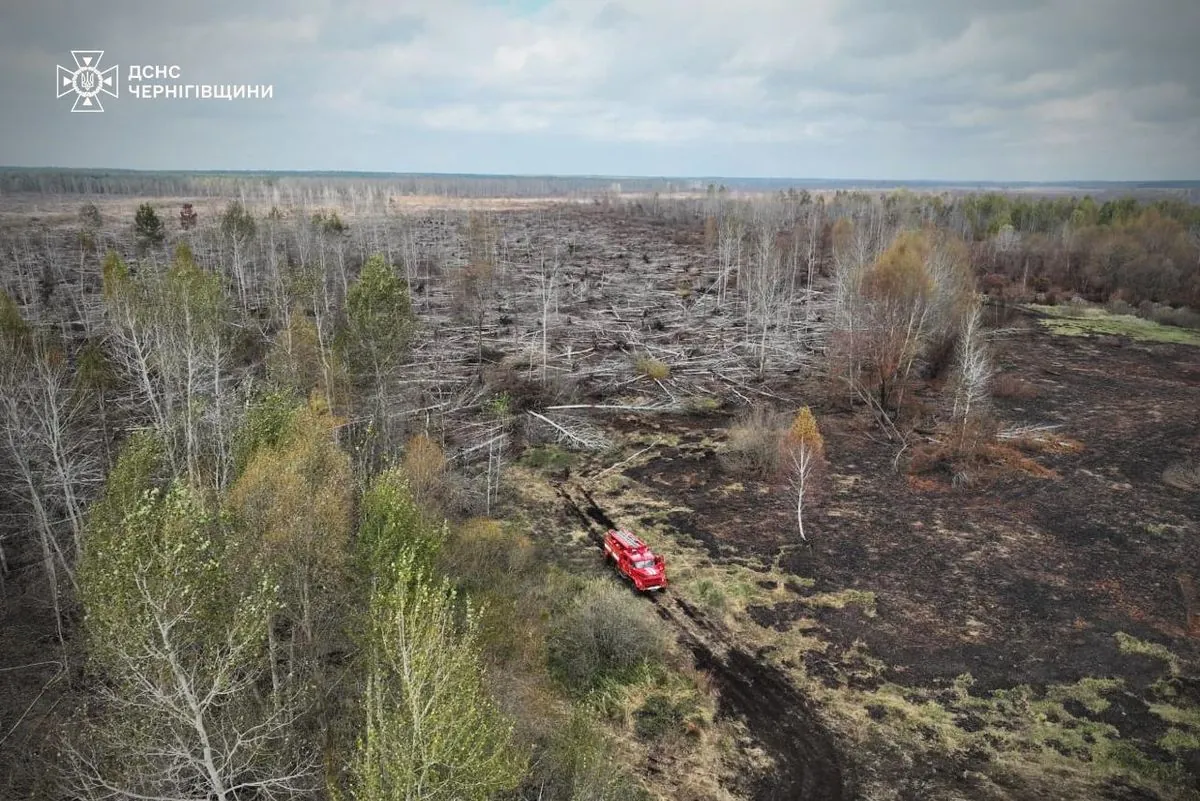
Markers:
<point>1007,385</point>
<point>1045,442</point>
<point>1183,475</point>
<point>982,461</point>
<point>753,443</point>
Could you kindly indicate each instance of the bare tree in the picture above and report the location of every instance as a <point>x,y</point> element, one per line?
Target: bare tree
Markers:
<point>52,455</point>
<point>729,247</point>
<point>974,373</point>
<point>547,282</point>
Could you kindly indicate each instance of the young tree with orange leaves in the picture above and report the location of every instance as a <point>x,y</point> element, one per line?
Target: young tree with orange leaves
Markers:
<point>803,459</point>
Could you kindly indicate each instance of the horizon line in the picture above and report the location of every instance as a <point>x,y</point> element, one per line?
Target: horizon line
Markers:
<point>620,177</point>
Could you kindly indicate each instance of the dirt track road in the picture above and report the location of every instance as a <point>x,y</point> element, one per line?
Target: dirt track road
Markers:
<point>807,764</point>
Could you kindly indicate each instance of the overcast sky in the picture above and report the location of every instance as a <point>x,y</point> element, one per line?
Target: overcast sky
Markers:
<point>927,89</point>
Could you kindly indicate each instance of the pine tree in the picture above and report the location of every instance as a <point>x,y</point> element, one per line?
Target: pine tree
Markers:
<point>148,228</point>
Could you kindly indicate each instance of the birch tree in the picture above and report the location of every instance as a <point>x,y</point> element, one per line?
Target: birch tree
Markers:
<point>180,641</point>
<point>430,731</point>
<point>547,282</point>
<point>804,458</point>
<point>729,248</point>
<point>52,460</point>
<point>293,506</point>
<point>238,226</point>
<point>975,371</point>
<point>170,334</point>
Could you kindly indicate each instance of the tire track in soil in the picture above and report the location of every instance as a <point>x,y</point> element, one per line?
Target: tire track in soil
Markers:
<point>776,713</point>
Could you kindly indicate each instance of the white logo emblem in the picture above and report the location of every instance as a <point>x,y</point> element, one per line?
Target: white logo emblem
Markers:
<point>87,81</point>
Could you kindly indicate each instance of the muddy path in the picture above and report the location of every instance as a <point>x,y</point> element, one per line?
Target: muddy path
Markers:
<point>807,763</point>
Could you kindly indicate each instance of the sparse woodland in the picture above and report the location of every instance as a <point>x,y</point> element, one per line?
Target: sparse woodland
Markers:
<point>256,452</point>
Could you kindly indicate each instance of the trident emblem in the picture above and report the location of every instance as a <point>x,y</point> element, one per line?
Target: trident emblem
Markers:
<point>87,80</point>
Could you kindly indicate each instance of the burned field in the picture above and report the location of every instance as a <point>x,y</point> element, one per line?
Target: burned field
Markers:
<point>953,615</point>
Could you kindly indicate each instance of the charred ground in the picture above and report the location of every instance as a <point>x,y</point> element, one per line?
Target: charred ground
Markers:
<point>1028,583</point>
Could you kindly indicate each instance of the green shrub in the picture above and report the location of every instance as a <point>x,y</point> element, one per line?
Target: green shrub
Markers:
<point>548,457</point>
<point>578,761</point>
<point>711,595</point>
<point>605,634</point>
<point>148,228</point>
<point>652,368</point>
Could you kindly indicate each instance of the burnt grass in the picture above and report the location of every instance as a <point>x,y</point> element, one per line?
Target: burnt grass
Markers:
<point>1019,580</point>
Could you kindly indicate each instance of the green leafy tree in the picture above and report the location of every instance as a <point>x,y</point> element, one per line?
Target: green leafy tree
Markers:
<point>374,345</point>
<point>293,506</point>
<point>391,522</point>
<point>379,323</point>
<point>430,731</point>
<point>179,639</point>
<point>301,362</point>
<point>237,222</point>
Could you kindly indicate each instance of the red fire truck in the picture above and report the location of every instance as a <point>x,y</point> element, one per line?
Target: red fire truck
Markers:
<point>632,557</point>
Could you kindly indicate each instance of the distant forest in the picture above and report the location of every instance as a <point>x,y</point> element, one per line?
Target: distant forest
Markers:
<point>15,180</point>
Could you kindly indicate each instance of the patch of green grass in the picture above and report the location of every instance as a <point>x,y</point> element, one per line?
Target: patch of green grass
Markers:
<point>1179,740</point>
<point>1088,320</point>
<point>1088,692</point>
<point>844,598</point>
<point>711,595</point>
<point>1129,644</point>
<point>658,717</point>
<point>548,457</point>
<point>1024,730</point>
<point>1180,716</point>
<point>652,369</point>
<point>1160,529</point>
<point>910,713</point>
<point>704,404</point>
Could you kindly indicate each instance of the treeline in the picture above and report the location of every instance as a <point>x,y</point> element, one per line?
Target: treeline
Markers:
<point>302,188</point>
<point>1123,249</point>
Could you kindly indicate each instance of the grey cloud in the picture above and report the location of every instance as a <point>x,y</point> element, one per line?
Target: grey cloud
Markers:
<point>937,88</point>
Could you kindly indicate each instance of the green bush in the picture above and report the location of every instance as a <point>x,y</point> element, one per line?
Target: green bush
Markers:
<point>148,228</point>
<point>605,634</point>
<point>711,595</point>
<point>652,368</point>
<point>548,457</point>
